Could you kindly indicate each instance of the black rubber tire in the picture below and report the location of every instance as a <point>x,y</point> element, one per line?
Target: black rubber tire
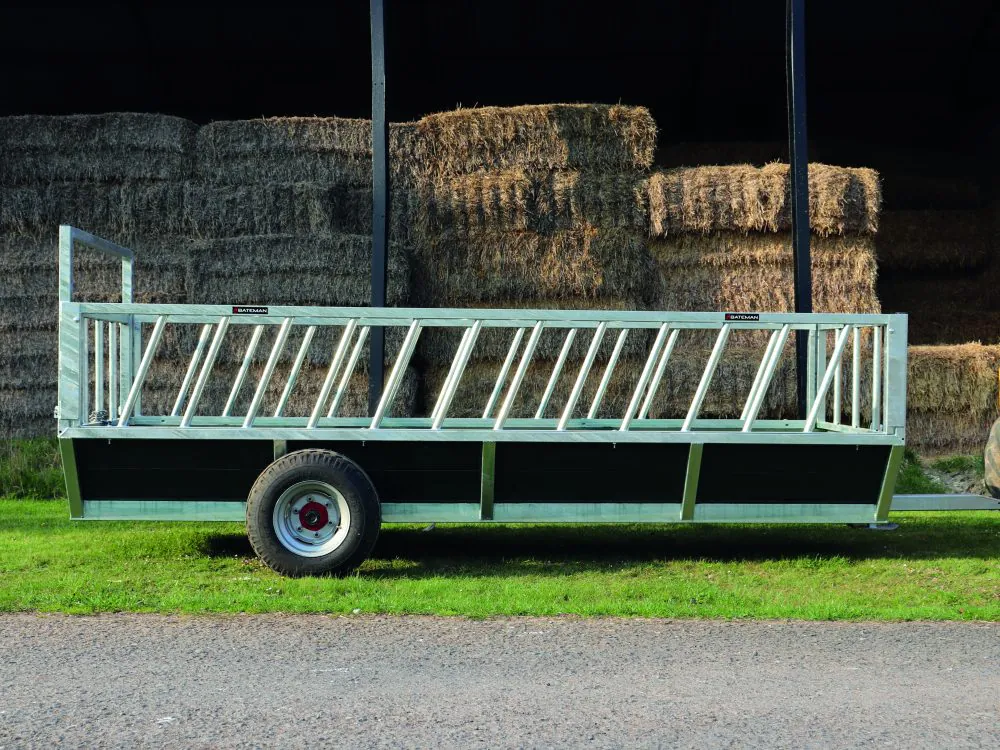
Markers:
<point>991,460</point>
<point>312,465</point>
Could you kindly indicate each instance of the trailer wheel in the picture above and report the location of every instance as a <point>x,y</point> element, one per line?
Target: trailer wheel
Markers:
<point>313,512</point>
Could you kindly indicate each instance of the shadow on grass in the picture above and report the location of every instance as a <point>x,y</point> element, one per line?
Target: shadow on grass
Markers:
<point>510,550</point>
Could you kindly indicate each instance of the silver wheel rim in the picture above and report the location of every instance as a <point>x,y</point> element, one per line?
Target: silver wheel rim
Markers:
<point>311,519</point>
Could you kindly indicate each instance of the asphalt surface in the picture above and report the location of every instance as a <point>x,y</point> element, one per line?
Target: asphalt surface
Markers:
<point>313,681</point>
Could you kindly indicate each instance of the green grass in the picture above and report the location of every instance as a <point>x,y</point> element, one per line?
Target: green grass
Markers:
<point>913,480</point>
<point>972,464</point>
<point>31,469</point>
<point>935,566</point>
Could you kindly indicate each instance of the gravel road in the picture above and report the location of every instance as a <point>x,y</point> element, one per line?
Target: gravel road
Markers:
<point>296,681</point>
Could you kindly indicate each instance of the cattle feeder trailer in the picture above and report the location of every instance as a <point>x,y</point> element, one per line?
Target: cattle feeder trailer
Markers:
<point>314,487</point>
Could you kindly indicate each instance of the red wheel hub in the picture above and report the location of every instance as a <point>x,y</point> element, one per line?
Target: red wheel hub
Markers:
<point>313,516</point>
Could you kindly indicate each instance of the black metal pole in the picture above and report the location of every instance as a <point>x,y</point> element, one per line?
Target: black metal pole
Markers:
<point>380,203</point>
<point>795,50</point>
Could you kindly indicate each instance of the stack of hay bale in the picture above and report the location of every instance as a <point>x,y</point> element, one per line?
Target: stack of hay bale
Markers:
<point>281,212</point>
<point>529,207</point>
<point>721,238</point>
<point>120,176</point>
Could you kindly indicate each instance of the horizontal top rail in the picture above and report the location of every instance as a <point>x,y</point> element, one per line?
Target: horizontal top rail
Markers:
<point>490,317</point>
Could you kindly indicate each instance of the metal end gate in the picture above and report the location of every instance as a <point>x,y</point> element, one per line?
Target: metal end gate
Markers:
<point>564,459</point>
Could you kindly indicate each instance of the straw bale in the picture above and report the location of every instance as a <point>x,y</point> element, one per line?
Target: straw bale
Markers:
<point>932,240</point>
<point>122,211</point>
<point>27,412</point>
<point>542,137</point>
<point>275,208</point>
<point>293,270</point>
<point>737,272</point>
<point>517,200</point>
<point>937,433</point>
<point>743,198</point>
<point>106,147</point>
<point>330,150</point>
<point>953,379</point>
<point>454,269</point>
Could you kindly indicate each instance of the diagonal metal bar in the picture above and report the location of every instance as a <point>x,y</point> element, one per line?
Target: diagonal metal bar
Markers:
<point>760,373</point>
<point>661,367</point>
<point>458,369</point>
<point>398,371</point>
<point>352,362</point>
<point>451,370</point>
<point>502,375</point>
<point>581,378</point>
<point>522,370</point>
<point>647,372</point>
<point>556,372</point>
<point>206,330</point>
<point>206,370</point>
<point>608,372</point>
<point>706,377</point>
<point>765,384</point>
<point>331,373</point>
<point>265,378</point>
<point>234,393</point>
<point>824,386</point>
<point>142,369</point>
<point>293,374</point>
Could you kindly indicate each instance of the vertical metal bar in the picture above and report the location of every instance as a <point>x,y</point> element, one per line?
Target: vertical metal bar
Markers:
<point>856,379</point>
<point>647,372</point>
<point>820,400</point>
<point>381,196</point>
<point>66,264</point>
<point>758,399</point>
<point>136,350</point>
<point>556,372</point>
<point>396,376</point>
<point>293,374</point>
<point>459,352</point>
<point>331,373</point>
<point>352,362</point>
<point>206,370</point>
<point>608,371</point>
<point>522,370</point>
<point>581,378</point>
<point>84,370</point>
<point>798,156</point>
<point>265,378</point>
<point>822,337</point>
<point>125,360</point>
<point>98,366</point>
<point>895,379</point>
<point>760,373</point>
<point>691,481</point>
<point>876,377</point>
<point>128,270</point>
<point>661,367</point>
<point>888,484</point>
<point>258,331</point>
<point>112,371</point>
<point>706,378</point>
<point>458,369</point>
<point>140,373</point>
<point>487,481</point>
<point>192,368</point>
<point>885,378</point>
<point>502,375</point>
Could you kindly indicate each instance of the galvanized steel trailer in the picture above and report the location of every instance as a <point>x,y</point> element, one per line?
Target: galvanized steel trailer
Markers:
<point>315,487</point>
